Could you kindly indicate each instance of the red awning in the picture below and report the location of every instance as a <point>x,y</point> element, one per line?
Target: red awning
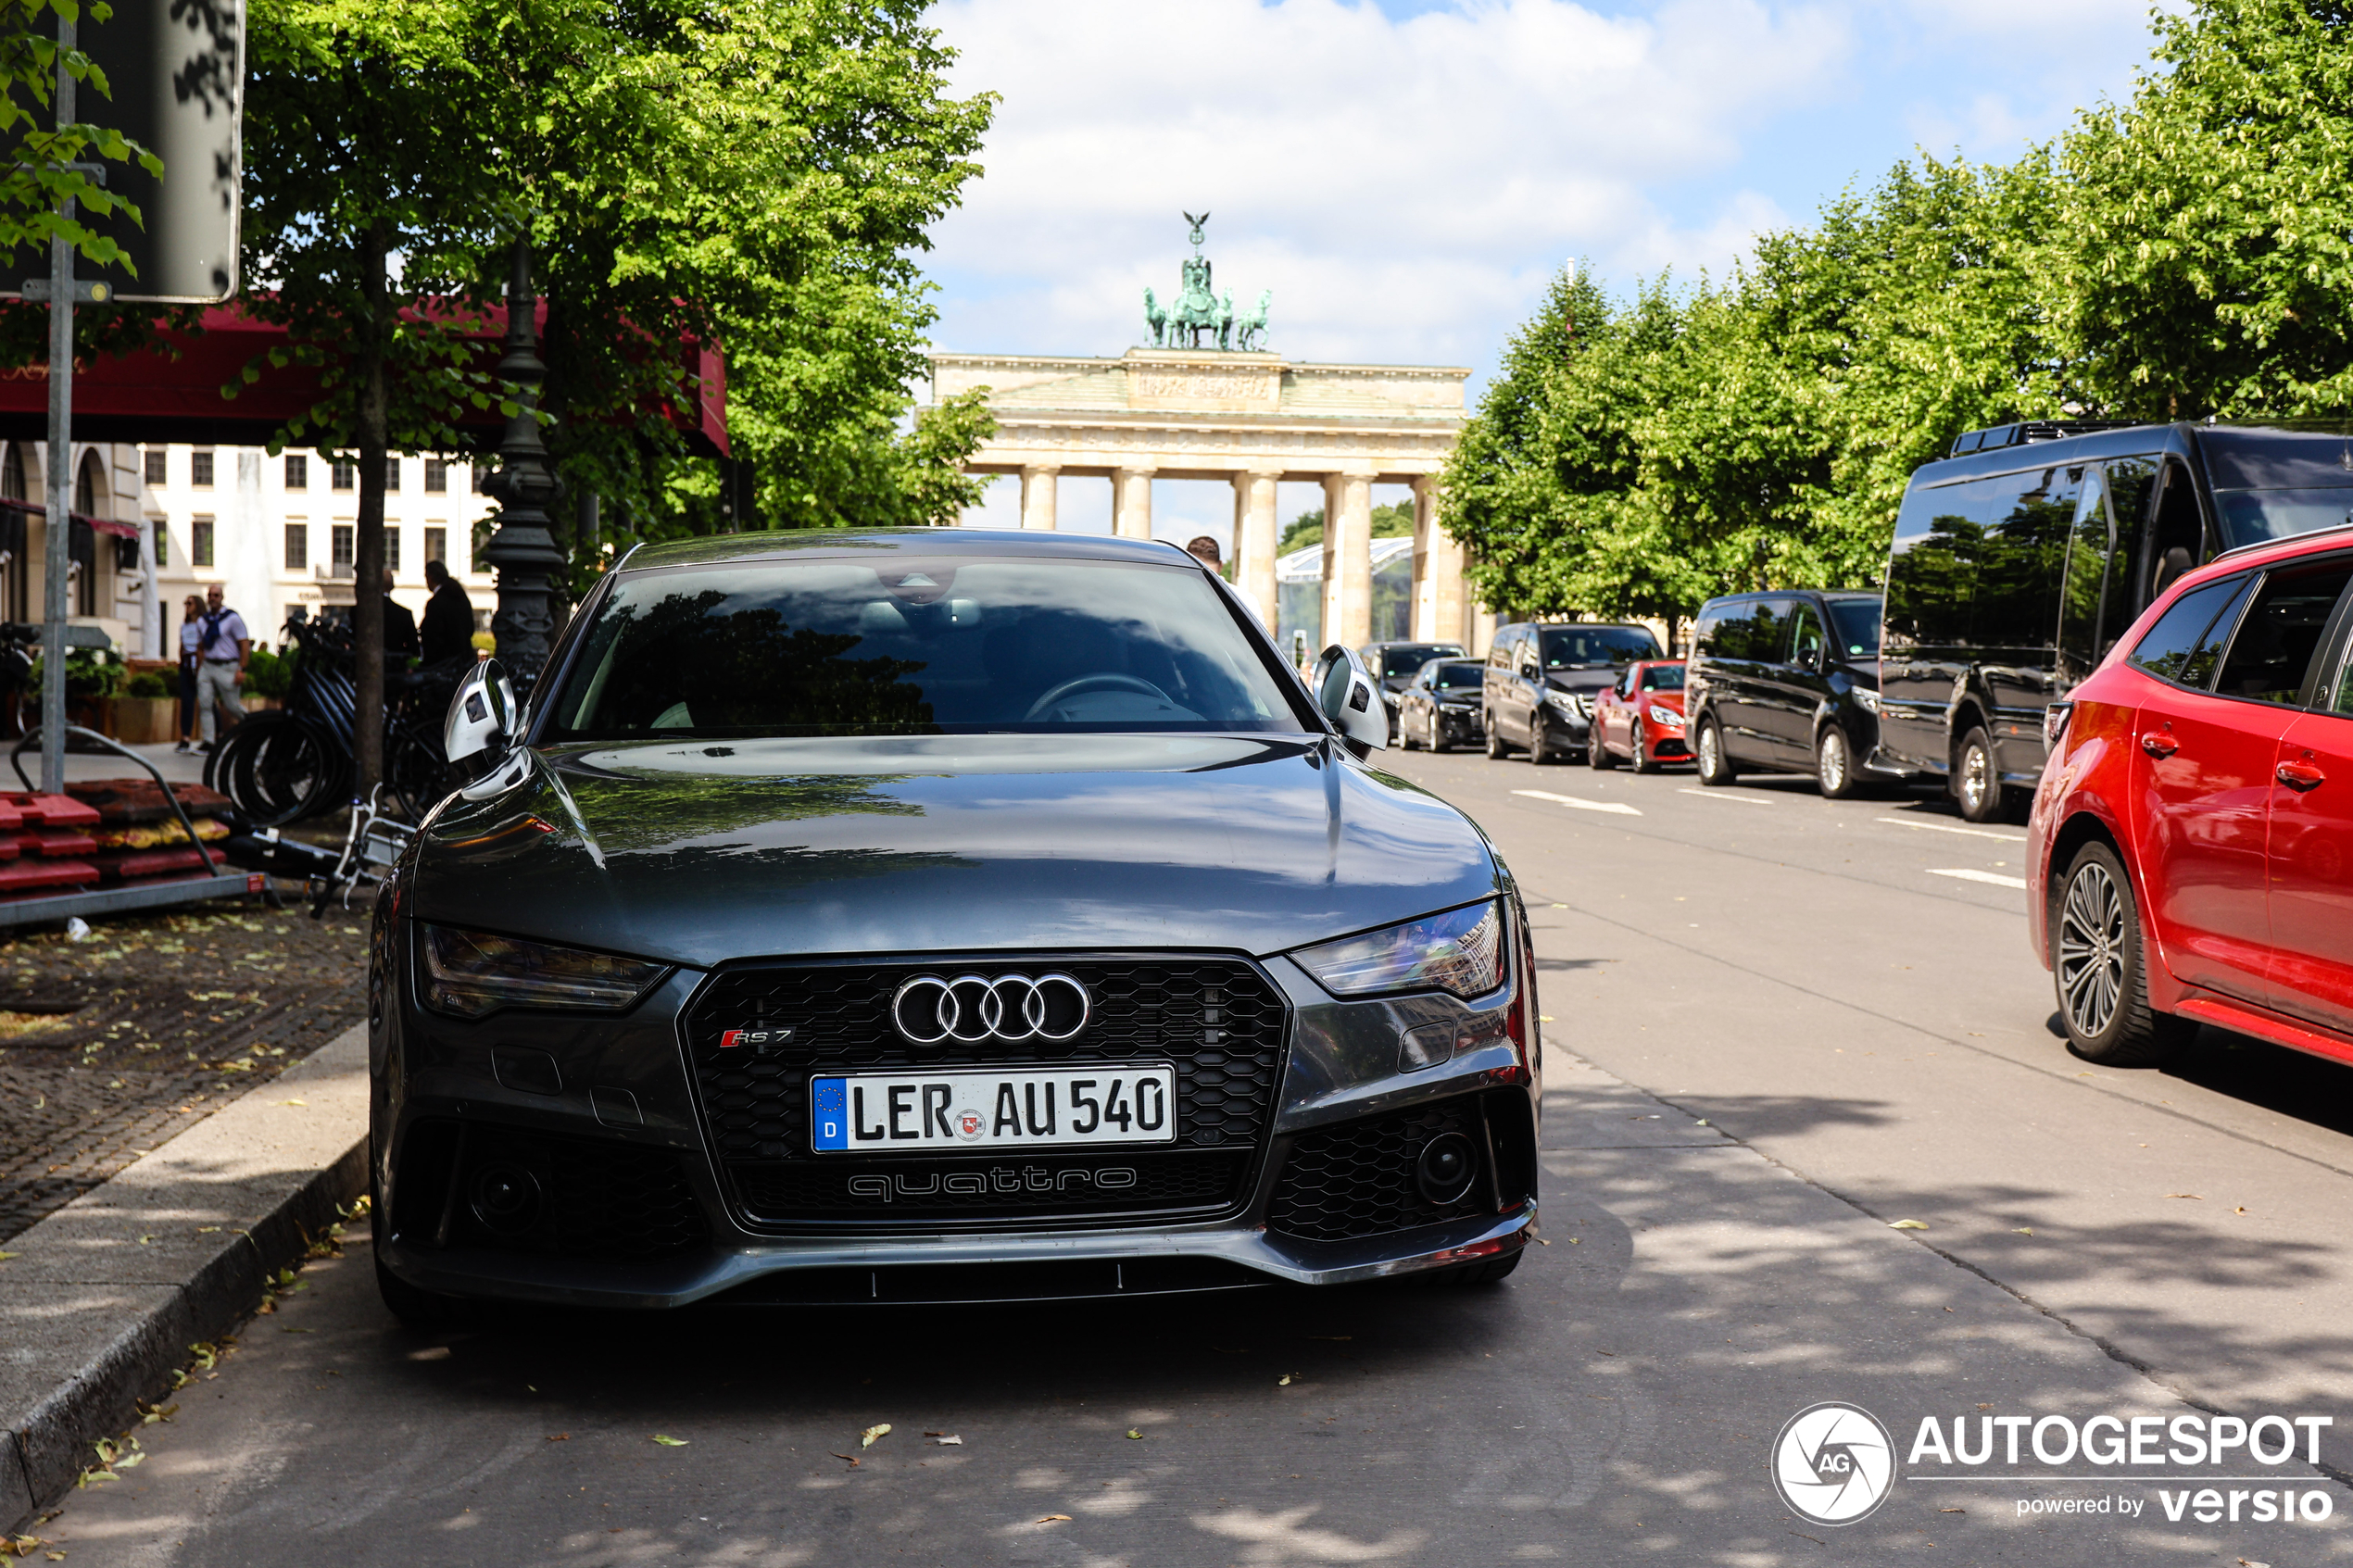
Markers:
<point>171,393</point>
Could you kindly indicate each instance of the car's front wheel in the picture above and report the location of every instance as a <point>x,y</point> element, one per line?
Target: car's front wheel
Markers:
<point>2099,967</point>
<point>1834,764</point>
<point>1404,735</point>
<point>1640,753</point>
<point>1537,755</point>
<point>1977,780</point>
<point>1494,739</point>
<point>1437,734</point>
<point>1598,755</point>
<point>1715,767</point>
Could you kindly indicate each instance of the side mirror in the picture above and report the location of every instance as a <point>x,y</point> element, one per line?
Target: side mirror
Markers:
<point>1346,692</point>
<point>482,725</point>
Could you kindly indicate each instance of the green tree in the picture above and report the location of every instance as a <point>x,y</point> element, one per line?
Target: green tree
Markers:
<point>36,179</point>
<point>2207,261</point>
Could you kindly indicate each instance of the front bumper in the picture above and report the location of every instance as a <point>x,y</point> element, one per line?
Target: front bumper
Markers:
<point>621,1107</point>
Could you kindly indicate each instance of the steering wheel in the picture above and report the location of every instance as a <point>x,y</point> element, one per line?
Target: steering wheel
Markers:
<point>1107,682</point>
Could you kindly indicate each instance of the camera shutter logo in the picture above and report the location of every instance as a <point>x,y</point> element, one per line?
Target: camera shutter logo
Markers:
<point>1833,1463</point>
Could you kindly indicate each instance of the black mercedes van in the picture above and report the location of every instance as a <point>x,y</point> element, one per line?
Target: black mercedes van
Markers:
<point>2021,557</point>
<point>1784,683</point>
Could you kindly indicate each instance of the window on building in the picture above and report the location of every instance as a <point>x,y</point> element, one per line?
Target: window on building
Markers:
<point>159,465</point>
<point>437,545</point>
<point>162,533</point>
<point>436,476</point>
<point>297,546</point>
<point>200,542</point>
<point>344,474</point>
<point>392,475</point>
<point>392,549</point>
<point>340,544</point>
<point>200,467</point>
<point>298,472</point>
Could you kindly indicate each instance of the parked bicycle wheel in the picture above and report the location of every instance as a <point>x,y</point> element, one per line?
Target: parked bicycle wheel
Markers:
<point>416,774</point>
<point>277,770</point>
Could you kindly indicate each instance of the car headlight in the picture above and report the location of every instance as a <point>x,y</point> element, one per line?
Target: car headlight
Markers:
<point>472,972</point>
<point>1662,714</point>
<point>1577,703</point>
<point>1461,951</point>
<point>1867,697</point>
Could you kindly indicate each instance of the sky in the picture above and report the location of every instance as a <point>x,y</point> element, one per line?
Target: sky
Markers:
<point>1405,175</point>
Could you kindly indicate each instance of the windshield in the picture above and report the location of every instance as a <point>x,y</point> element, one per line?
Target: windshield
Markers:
<point>914,647</point>
<point>1570,646</point>
<point>1406,659</point>
<point>1857,622</point>
<point>1663,678</point>
<point>2249,517</point>
<point>1456,677</point>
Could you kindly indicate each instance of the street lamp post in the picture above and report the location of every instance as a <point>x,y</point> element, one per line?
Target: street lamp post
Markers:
<point>523,550</point>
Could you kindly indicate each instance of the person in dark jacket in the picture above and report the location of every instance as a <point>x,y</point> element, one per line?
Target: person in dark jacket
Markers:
<point>449,617</point>
<point>400,630</point>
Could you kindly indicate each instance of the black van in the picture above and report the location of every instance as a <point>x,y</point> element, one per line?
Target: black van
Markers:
<point>1784,682</point>
<point>2022,558</point>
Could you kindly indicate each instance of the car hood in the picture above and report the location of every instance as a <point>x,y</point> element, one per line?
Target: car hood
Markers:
<point>1582,680</point>
<point>696,853</point>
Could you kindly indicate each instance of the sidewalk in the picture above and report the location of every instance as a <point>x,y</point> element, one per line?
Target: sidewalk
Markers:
<point>101,1300</point>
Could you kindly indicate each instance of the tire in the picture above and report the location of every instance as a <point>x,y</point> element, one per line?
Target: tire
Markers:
<point>274,769</point>
<point>1642,761</point>
<point>1600,758</point>
<point>2100,967</point>
<point>1715,763</point>
<point>1834,764</point>
<point>1495,748</point>
<point>1437,736</point>
<point>1405,741</point>
<point>1977,780</point>
<point>1537,755</point>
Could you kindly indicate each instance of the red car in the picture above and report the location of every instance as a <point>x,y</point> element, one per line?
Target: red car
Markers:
<point>1640,718</point>
<point>2191,840</point>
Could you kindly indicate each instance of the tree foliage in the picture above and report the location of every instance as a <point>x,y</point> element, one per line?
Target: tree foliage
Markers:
<point>2188,253</point>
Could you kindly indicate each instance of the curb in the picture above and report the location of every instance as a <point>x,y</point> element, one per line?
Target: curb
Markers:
<point>101,1300</point>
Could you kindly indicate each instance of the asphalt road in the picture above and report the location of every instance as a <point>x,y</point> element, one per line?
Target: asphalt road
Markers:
<point>1779,1025</point>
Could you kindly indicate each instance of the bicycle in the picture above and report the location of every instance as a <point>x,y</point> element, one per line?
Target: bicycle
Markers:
<point>283,766</point>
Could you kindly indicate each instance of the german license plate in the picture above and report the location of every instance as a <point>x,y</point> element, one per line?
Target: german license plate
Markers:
<point>1009,1107</point>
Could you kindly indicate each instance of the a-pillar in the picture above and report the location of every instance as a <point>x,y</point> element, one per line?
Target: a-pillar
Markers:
<point>1348,559</point>
<point>1438,573</point>
<point>1037,495</point>
<point>1131,502</point>
<point>1254,542</point>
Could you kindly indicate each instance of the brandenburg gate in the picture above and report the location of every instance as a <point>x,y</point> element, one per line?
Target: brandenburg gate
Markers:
<point>1248,417</point>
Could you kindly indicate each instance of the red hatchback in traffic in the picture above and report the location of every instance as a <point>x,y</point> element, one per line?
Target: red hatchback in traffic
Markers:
<point>1640,718</point>
<point>2192,841</point>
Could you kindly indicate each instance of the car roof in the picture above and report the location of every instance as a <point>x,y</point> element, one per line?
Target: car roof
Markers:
<point>837,543</point>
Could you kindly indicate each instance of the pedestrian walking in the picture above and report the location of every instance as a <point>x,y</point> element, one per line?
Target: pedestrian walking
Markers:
<point>222,647</point>
<point>448,631</point>
<point>191,612</point>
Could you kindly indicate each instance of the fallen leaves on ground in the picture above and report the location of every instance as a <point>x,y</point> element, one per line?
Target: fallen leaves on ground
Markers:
<point>667,1441</point>
<point>560,1437</point>
<point>854,1460</point>
<point>1284,1381</point>
<point>2190,1194</point>
<point>1053,1518</point>
<point>947,1439</point>
<point>1907,1225</point>
<point>2023,1230</point>
<point>866,1438</point>
<point>1136,1433</point>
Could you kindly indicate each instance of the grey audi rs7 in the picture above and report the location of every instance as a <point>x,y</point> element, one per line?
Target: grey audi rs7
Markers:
<point>938,915</point>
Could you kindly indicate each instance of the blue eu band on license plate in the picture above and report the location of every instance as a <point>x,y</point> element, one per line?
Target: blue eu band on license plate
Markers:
<point>993,1108</point>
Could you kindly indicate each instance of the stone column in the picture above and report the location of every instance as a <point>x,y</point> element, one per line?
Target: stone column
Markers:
<point>1439,562</point>
<point>1254,530</point>
<point>1131,503</point>
<point>1348,559</point>
<point>1038,482</point>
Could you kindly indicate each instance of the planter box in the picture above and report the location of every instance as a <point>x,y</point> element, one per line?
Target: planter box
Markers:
<point>144,721</point>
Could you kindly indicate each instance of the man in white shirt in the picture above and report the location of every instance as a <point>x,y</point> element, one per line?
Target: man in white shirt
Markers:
<point>222,647</point>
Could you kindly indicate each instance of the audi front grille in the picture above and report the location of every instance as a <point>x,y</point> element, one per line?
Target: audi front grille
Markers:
<point>1218,1020</point>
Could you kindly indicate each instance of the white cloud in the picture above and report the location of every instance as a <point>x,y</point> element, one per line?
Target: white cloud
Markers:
<point>1404,187</point>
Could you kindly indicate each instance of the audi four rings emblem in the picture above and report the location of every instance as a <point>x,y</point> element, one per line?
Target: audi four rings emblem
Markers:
<point>972,1008</point>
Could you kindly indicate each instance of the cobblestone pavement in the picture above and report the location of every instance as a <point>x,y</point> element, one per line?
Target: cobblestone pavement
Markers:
<point>111,1046</point>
